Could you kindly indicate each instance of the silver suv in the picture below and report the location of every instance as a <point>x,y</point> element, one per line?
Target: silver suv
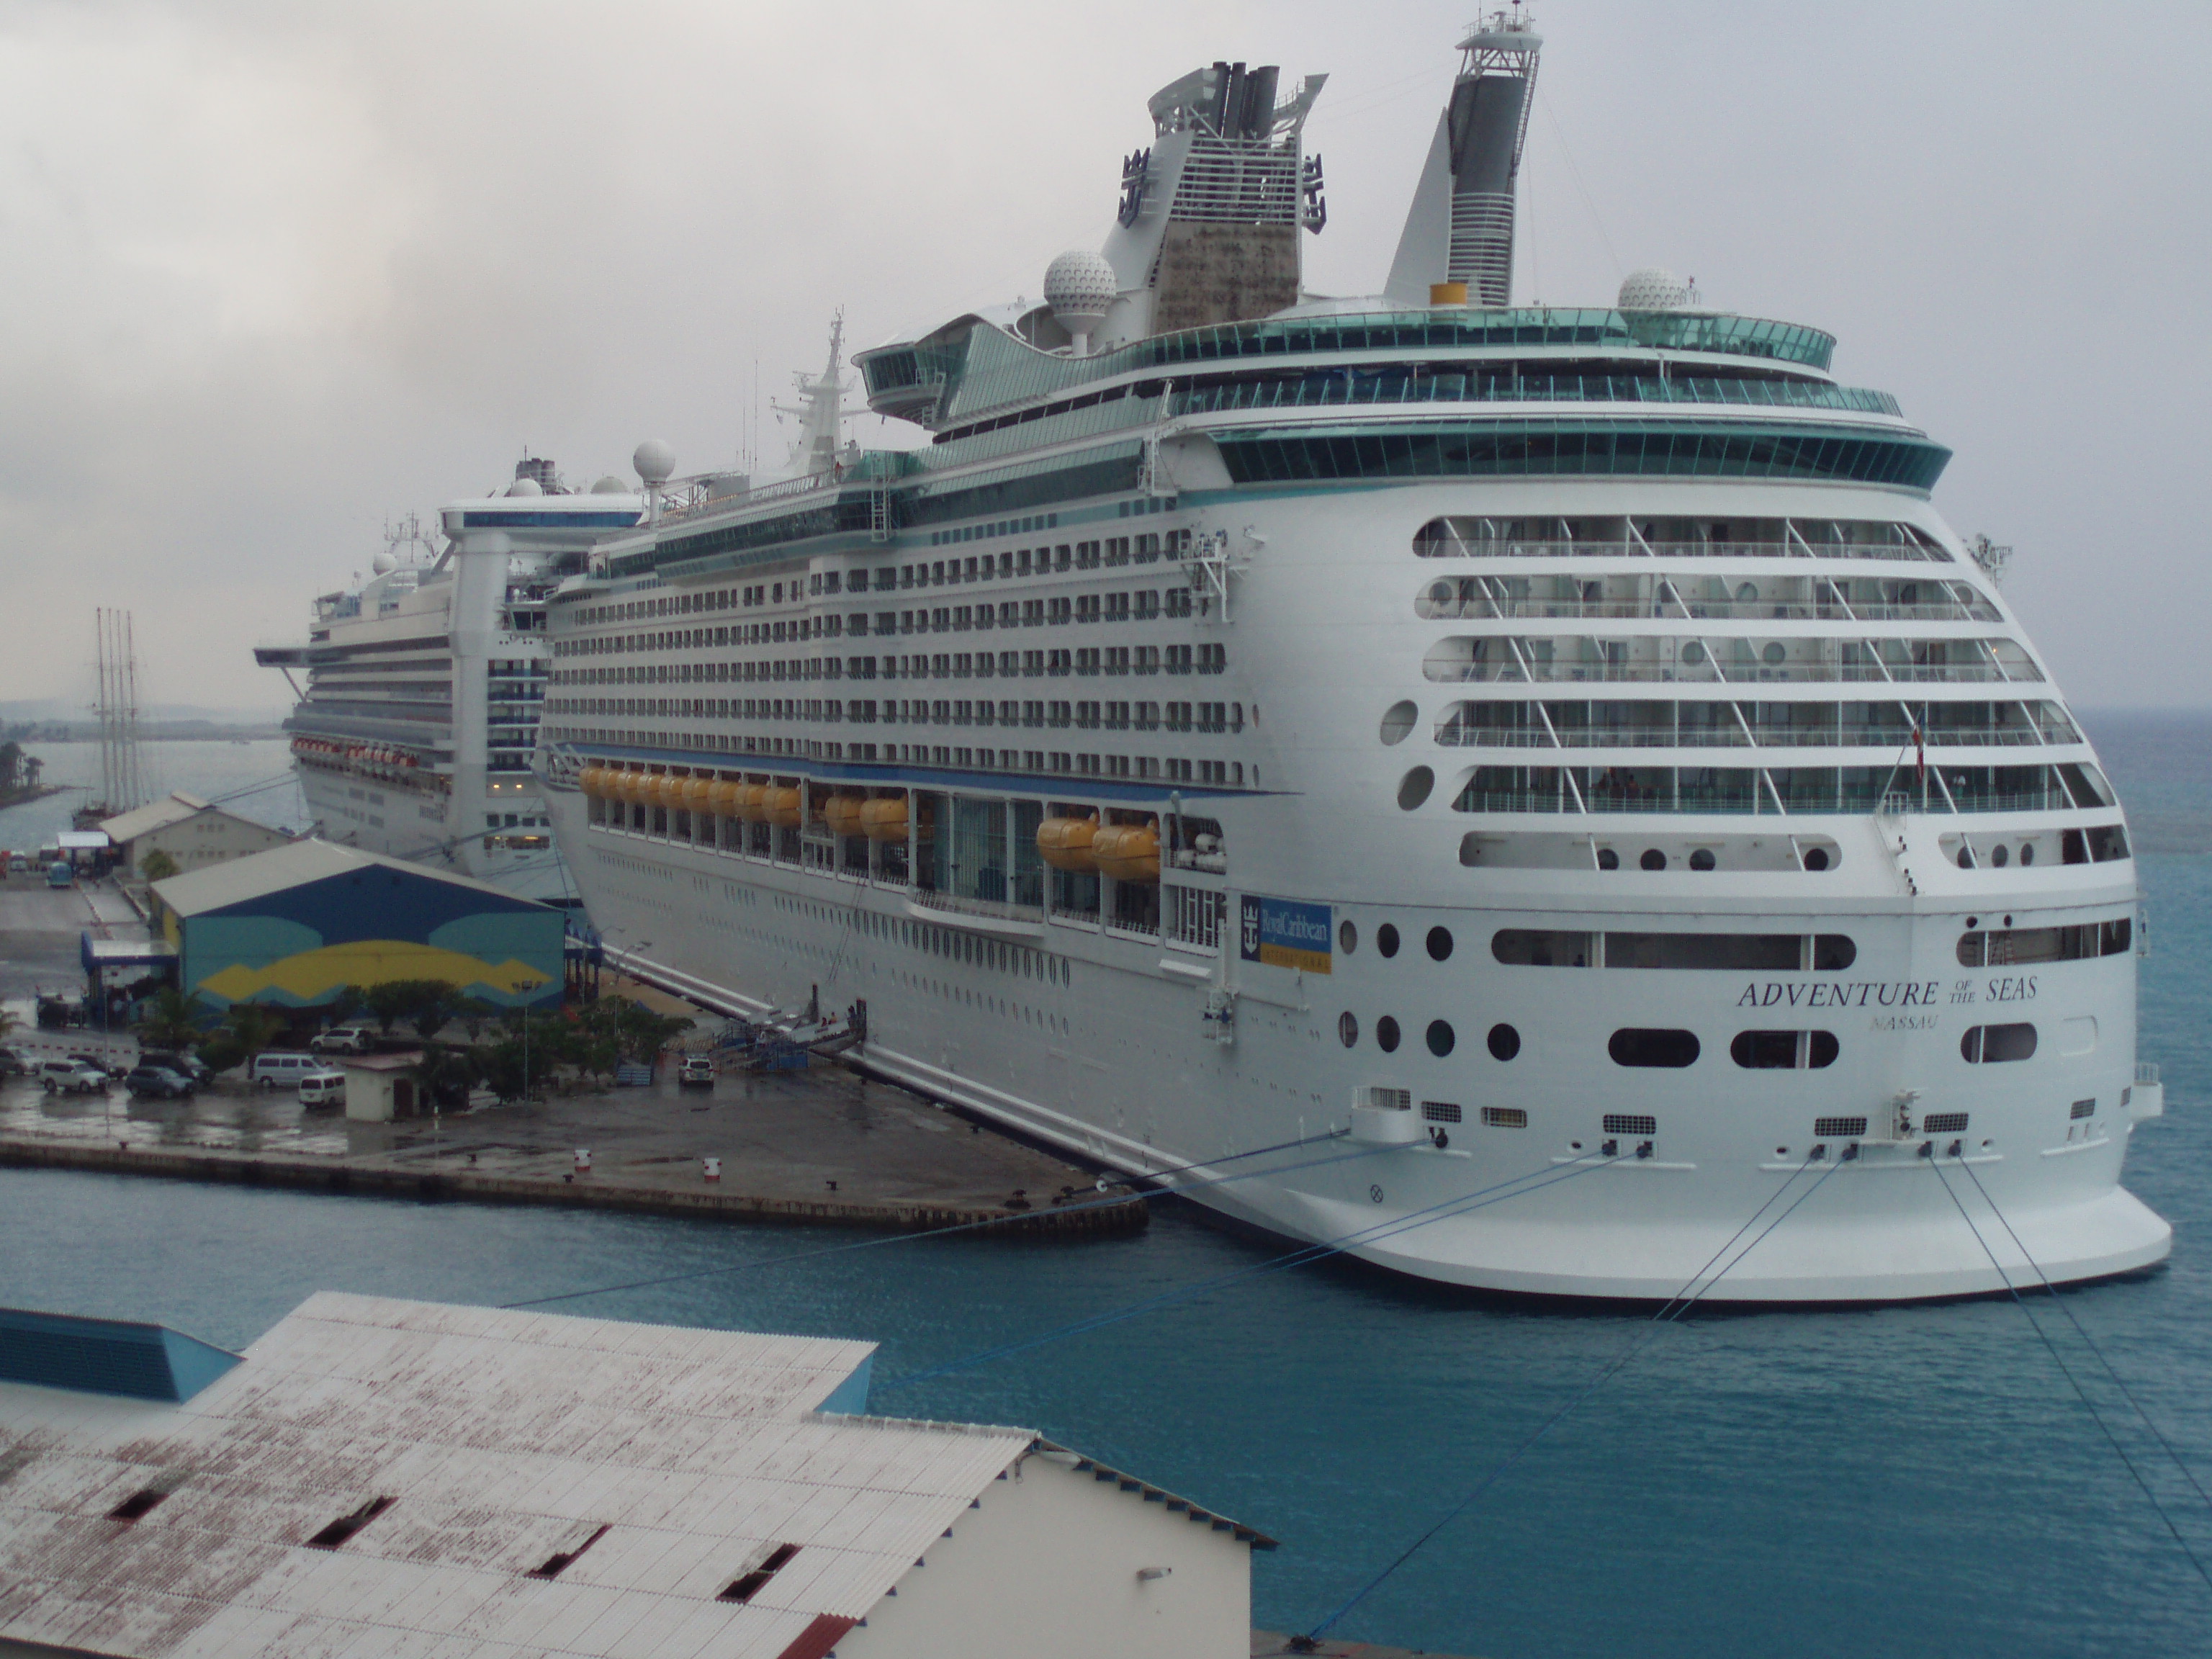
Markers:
<point>71,1077</point>
<point>344,1039</point>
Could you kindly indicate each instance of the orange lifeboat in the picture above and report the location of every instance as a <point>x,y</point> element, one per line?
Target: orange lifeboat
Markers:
<point>588,781</point>
<point>723,798</point>
<point>884,818</point>
<point>842,813</point>
<point>700,792</point>
<point>1128,852</point>
<point>786,808</point>
<point>1067,843</point>
<point>752,802</point>
<point>671,789</point>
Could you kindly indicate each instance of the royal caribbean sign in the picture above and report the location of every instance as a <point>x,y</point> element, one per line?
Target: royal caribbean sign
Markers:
<point>1285,933</point>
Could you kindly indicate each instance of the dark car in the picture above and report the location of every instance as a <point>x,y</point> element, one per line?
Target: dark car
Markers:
<point>191,1064</point>
<point>158,1082</point>
<point>12,1063</point>
<point>107,1063</point>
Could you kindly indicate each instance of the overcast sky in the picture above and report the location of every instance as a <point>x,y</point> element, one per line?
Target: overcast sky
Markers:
<point>271,273</point>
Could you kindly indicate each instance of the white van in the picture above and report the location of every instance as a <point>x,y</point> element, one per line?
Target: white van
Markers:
<point>324,1086</point>
<point>272,1068</point>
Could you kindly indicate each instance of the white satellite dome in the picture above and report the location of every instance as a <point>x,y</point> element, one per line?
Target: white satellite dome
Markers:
<point>1080,287</point>
<point>383,564</point>
<point>655,460</point>
<point>610,485</point>
<point>1653,289</point>
<point>524,487</point>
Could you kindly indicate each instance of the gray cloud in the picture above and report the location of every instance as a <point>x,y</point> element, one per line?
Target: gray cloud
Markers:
<point>270,273</point>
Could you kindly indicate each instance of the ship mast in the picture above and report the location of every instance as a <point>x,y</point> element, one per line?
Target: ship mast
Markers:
<point>122,770</point>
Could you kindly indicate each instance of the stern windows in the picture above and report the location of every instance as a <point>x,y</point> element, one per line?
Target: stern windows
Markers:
<point>2014,946</point>
<point>1636,1045</point>
<point>1784,1051</point>
<point>1783,953</point>
<point>2101,844</point>
<point>1986,1045</point>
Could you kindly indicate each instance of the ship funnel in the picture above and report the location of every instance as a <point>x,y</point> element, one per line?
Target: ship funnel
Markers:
<point>1461,228</point>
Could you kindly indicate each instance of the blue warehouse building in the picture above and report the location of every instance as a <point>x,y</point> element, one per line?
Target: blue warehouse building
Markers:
<point>293,927</point>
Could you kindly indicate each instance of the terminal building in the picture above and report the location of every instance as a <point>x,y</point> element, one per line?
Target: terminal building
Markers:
<point>295,925</point>
<point>191,832</point>
<point>383,1478</point>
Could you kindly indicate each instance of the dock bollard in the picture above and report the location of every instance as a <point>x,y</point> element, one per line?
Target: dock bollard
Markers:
<point>712,1168</point>
<point>583,1160</point>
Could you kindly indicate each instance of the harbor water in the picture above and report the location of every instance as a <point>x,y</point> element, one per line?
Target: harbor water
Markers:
<point>1922,1479</point>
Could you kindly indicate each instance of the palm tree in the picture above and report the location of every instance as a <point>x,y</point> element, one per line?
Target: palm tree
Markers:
<point>156,865</point>
<point>172,1019</point>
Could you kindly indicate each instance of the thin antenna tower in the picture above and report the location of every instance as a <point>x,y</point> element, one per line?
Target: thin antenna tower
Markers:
<point>122,772</point>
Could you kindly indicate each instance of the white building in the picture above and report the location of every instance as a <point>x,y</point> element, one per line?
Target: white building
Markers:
<point>190,830</point>
<point>377,1477</point>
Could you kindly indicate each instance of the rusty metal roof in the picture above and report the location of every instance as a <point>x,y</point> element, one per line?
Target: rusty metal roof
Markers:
<point>492,1480</point>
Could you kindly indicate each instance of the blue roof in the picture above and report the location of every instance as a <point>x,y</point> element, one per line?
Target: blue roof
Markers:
<point>105,1356</point>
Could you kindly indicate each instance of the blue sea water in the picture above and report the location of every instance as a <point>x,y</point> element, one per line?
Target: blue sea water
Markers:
<point>1913,1480</point>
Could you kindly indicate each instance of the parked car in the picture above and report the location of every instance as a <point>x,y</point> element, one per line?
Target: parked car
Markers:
<point>107,1063</point>
<point>324,1086</point>
<point>272,1067</point>
<point>697,1073</point>
<point>12,1062</point>
<point>191,1064</point>
<point>157,1083</point>
<point>344,1039</point>
<point>69,1077</point>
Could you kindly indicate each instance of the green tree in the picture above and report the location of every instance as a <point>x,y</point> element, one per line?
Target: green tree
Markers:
<point>441,1071</point>
<point>157,865</point>
<point>172,1019</point>
<point>348,1002</point>
<point>432,1006</point>
<point>248,1028</point>
<point>388,1001</point>
<point>11,764</point>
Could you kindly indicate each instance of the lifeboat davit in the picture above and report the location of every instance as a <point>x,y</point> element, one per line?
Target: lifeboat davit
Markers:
<point>884,818</point>
<point>1128,852</point>
<point>1066,843</point>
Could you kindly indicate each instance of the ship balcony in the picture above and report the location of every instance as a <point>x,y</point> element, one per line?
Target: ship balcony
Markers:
<point>1657,658</point>
<point>1433,606</point>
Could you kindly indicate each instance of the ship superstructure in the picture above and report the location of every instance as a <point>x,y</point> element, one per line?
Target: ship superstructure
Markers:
<point>417,721</point>
<point>1497,746</point>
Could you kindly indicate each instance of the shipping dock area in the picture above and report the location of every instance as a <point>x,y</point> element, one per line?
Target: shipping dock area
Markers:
<point>819,1146</point>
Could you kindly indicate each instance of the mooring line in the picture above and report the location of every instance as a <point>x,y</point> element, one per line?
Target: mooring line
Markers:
<point>1670,1312</point>
<point>1001,1222</point>
<point>2066,1371</point>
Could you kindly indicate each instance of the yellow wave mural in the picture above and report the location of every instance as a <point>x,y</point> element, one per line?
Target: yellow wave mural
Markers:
<point>314,974</point>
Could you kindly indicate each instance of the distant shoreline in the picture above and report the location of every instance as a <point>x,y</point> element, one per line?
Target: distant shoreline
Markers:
<point>22,797</point>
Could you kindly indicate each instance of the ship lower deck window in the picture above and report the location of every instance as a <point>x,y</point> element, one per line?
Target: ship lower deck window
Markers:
<point>1505,1117</point>
<point>1944,1123</point>
<point>1642,1046</point>
<point>1442,1111</point>
<point>1784,1051</point>
<point>1732,952</point>
<point>1630,1124</point>
<point>1839,1128</point>
<point>1988,1045</point>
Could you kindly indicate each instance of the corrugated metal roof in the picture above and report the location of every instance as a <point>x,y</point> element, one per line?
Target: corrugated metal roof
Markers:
<point>503,1438</point>
<point>157,815</point>
<point>262,873</point>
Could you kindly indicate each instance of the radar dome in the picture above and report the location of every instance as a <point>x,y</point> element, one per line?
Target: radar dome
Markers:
<point>524,487</point>
<point>384,564</point>
<point>655,460</point>
<point>1080,287</point>
<point>1653,290</point>
<point>610,485</point>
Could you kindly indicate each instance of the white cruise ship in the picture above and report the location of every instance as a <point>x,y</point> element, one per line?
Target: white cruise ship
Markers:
<point>414,730</point>
<point>1559,762</point>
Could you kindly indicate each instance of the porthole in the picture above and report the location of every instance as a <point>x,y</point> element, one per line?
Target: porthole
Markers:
<point>1347,1028</point>
<point>1442,1038</point>
<point>1397,722</point>
<point>1607,859</point>
<point>2027,854</point>
<point>1965,856</point>
<point>1504,1042</point>
<point>1702,859</point>
<point>1653,859</point>
<point>1693,651</point>
<point>1386,1035</point>
<point>1816,858</point>
<point>1347,938</point>
<point>2000,855</point>
<point>1747,593</point>
<point>1772,655</point>
<point>1414,788</point>
<point>1386,940</point>
<point>1440,943</point>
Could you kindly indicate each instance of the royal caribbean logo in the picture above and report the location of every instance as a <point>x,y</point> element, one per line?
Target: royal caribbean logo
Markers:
<point>1285,933</point>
